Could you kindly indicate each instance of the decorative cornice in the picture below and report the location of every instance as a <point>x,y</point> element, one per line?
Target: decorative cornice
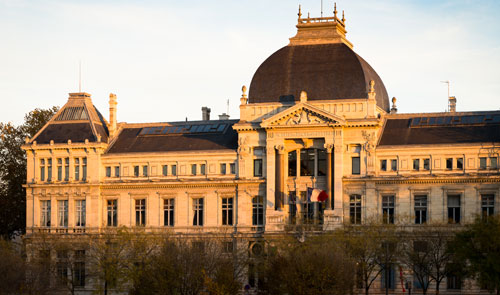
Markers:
<point>379,181</point>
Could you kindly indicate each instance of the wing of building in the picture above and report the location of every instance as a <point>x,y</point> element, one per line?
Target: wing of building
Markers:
<point>317,116</point>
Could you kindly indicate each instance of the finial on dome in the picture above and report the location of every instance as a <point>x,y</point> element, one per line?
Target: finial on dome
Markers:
<point>303,96</point>
<point>372,86</point>
<point>343,18</point>
<point>335,9</point>
<point>243,99</point>
<point>394,109</point>
<point>300,13</point>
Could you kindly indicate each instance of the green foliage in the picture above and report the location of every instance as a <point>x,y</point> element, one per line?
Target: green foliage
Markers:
<point>11,268</point>
<point>13,170</point>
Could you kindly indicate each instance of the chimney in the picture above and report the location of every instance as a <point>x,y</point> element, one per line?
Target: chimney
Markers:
<point>205,113</point>
<point>452,104</point>
<point>224,116</point>
<point>112,115</point>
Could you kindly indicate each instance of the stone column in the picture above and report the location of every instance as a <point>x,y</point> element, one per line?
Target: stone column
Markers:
<point>280,180</point>
<point>329,148</point>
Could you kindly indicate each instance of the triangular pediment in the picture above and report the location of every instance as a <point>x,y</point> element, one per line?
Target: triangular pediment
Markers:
<point>302,114</point>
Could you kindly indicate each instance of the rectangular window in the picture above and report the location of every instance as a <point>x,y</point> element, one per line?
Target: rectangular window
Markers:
<point>168,212</point>
<point>388,209</point>
<point>84,169</point>
<point>77,168</point>
<point>487,205</point>
<point>356,166</point>
<point>80,212</point>
<point>59,169</point>
<point>112,212</point>
<point>449,163</point>
<point>140,212</point>
<point>227,247</point>
<point>383,165</point>
<point>117,171</point>
<point>388,277</point>
<point>258,210</point>
<point>164,169</point>
<point>223,168</point>
<point>493,163</point>
<point>307,162</point>
<point>42,169</point>
<point>454,209</point>
<point>482,163</point>
<point>227,211</point>
<point>145,171</point>
<point>202,169</point>
<point>416,164</point>
<point>292,163</point>
<point>49,170</point>
<point>66,169</point>
<point>420,209</point>
<point>45,213</point>
<point>453,282</point>
<point>427,164</point>
<point>79,272</point>
<point>355,209</point>
<point>257,167</point>
<point>193,169</point>
<point>460,163</point>
<point>198,212</point>
<point>136,171</point>
<point>62,267</point>
<point>62,213</point>
<point>174,170</point>
<point>394,165</point>
<point>292,203</point>
<point>321,162</point>
<point>108,171</point>
<point>232,168</point>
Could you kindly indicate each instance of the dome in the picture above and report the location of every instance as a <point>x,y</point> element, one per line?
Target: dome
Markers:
<point>320,61</point>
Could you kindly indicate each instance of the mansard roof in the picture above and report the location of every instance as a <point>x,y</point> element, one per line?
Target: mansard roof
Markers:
<point>176,136</point>
<point>77,121</point>
<point>441,128</point>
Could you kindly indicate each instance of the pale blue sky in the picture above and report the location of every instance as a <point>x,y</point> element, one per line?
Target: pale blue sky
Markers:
<point>167,59</point>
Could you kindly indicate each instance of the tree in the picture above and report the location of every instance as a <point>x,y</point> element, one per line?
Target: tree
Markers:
<point>479,246</point>
<point>11,268</point>
<point>13,170</point>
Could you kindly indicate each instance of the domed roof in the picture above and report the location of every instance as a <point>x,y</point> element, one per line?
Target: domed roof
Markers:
<point>320,61</point>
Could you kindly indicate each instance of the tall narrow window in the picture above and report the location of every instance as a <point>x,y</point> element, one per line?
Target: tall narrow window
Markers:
<point>112,212</point>
<point>292,163</point>
<point>493,163</point>
<point>355,209</point>
<point>388,209</point>
<point>394,165</point>
<point>454,209</point>
<point>388,277</point>
<point>117,171</point>
<point>136,171</point>
<point>356,166</point>
<point>66,169</point>
<point>145,171</point>
<point>227,211</point>
<point>62,266</point>
<point>198,212</point>
<point>232,168</point>
<point>59,169</point>
<point>416,164</point>
<point>487,205</point>
<point>174,170</point>
<point>482,163</point>
<point>42,169</point>
<point>168,212</point>
<point>383,165</point>
<point>307,162</point>
<point>321,162</point>
<point>202,169</point>
<point>427,165</point>
<point>258,210</point>
<point>45,213</point>
<point>193,169</point>
<point>108,171</point>
<point>77,168</point>
<point>140,212</point>
<point>79,268</point>
<point>420,209</point>
<point>49,169</point>
<point>257,167</point>
<point>80,212</point>
<point>223,168</point>
<point>62,213</point>
<point>84,169</point>
<point>460,163</point>
<point>449,163</point>
<point>165,170</point>
<point>292,211</point>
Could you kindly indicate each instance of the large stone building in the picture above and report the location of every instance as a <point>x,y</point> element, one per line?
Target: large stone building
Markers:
<point>317,115</point>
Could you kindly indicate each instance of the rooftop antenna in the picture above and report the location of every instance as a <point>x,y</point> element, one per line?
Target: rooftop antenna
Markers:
<point>227,107</point>
<point>80,77</point>
<point>321,8</point>
<point>447,82</point>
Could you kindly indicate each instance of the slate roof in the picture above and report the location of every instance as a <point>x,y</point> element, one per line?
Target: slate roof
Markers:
<point>176,136</point>
<point>441,128</point>
<point>324,71</point>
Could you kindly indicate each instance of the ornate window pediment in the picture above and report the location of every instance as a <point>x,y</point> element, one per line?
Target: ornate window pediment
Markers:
<point>302,114</point>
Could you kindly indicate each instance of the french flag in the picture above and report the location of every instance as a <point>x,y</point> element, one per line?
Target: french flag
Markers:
<point>316,195</point>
